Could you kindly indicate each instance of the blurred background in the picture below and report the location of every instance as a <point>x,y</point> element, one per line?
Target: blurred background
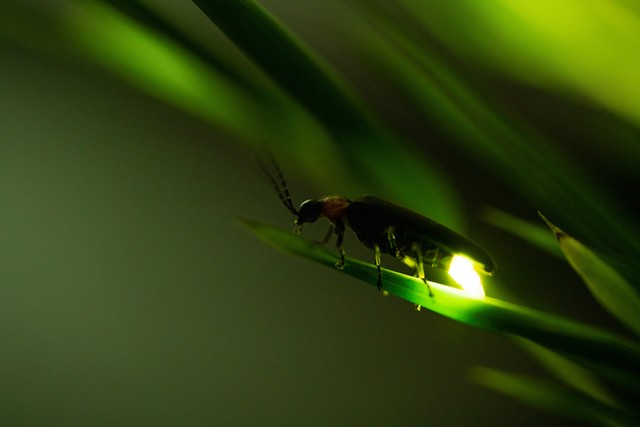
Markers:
<point>131,295</point>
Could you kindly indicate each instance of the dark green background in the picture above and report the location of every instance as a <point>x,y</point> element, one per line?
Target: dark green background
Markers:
<point>129,294</point>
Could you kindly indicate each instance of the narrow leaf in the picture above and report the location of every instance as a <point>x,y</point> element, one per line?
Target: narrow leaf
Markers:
<point>569,372</point>
<point>579,341</point>
<point>611,290</point>
<point>163,68</point>
<point>151,19</point>
<point>317,87</point>
<point>535,234</point>
<point>442,88</point>
<point>553,397</point>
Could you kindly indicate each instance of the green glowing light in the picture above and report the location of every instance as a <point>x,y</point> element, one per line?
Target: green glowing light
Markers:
<point>462,271</point>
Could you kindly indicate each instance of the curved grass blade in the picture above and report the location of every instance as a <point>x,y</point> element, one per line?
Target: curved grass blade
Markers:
<point>289,63</point>
<point>608,286</point>
<point>315,86</point>
<point>149,18</point>
<point>553,397</point>
<point>162,68</point>
<point>149,53</point>
<point>569,372</point>
<point>439,86</point>
<point>535,234</point>
<point>573,339</point>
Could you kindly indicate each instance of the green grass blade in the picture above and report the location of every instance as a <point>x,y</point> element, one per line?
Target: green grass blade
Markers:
<point>535,234</point>
<point>149,18</point>
<point>569,372</point>
<point>371,155</point>
<point>515,151</point>
<point>129,40</point>
<point>553,398</point>
<point>568,337</point>
<point>289,63</point>
<point>161,68</point>
<point>607,286</point>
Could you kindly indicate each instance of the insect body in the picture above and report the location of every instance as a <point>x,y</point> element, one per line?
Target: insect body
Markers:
<point>386,228</point>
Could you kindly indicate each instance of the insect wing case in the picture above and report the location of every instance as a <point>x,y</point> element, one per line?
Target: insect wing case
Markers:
<point>372,219</point>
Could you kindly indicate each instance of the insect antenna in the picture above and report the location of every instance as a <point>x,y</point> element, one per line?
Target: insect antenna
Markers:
<point>279,184</point>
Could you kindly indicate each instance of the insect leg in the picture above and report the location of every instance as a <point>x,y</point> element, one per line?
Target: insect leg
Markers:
<point>376,257</point>
<point>434,260</point>
<point>339,230</point>
<point>420,266</point>
<point>391,241</point>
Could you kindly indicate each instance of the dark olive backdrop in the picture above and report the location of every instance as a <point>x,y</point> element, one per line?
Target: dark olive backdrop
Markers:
<point>129,294</point>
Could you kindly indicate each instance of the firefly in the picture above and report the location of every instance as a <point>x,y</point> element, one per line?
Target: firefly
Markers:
<point>387,228</point>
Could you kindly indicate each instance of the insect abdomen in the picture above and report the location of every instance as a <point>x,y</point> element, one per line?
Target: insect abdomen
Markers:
<point>372,218</point>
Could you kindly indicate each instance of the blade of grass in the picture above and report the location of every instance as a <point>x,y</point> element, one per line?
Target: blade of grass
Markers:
<point>535,234</point>
<point>553,397</point>
<point>596,59</point>
<point>568,337</point>
<point>524,158</point>
<point>569,372</point>
<point>290,64</point>
<point>374,156</point>
<point>149,54</point>
<point>149,18</point>
<point>607,286</point>
<point>160,67</point>
<point>538,236</point>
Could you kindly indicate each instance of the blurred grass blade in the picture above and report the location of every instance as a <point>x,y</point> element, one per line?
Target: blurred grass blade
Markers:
<point>438,85</point>
<point>570,338</point>
<point>374,158</point>
<point>569,372</point>
<point>535,234</point>
<point>149,18</point>
<point>607,286</point>
<point>284,58</point>
<point>553,398</point>
<point>161,68</point>
<point>596,57</point>
<point>157,62</point>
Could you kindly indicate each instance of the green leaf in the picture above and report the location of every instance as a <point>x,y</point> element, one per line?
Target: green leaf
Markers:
<point>607,286</point>
<point>573,339</point>
<point>553,397</point>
